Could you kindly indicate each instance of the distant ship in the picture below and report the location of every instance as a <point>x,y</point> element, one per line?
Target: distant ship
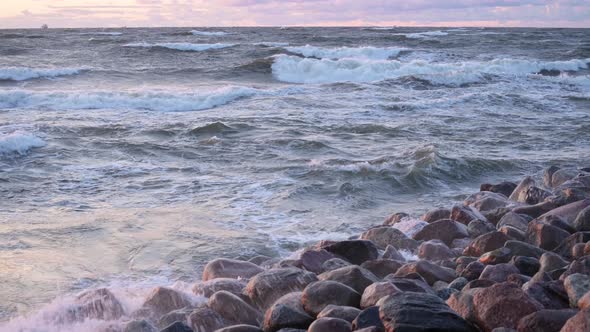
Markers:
<point>44,27</point>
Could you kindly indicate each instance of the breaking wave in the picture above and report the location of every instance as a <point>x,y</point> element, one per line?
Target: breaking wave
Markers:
<point>19,143</point>
<point>208,33</point>
<point>27,73</point>
<point>367,52</point>
<point>427,34</point>
<point>187,47</point>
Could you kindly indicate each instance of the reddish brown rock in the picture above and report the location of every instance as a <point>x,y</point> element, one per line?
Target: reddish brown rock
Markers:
<point>376,291</point>
<point>429,271</point>
<point>545,320</point>
<point>486,242</point>
<point>353,276</point>
<point>465,214</point>
<point>330,325</point>
<point>209,287</point>
<point>313,260</point>
<point>319,294</point>
<point>545,236</point>
<point>163,300</point>
<point>384,236</point>
<point>343,312</point>
<point>436,215</point>
<point>580,322</point>
<point>234,309</point>
<point>445,230</point>
<point>266,287</point>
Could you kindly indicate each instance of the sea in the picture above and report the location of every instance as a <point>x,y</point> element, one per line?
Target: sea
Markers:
<point>130,157</point>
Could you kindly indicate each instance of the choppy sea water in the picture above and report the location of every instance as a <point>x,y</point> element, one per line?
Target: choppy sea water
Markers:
<point>130,157</point>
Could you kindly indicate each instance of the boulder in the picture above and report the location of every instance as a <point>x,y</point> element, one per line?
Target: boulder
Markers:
<point>462,303</point>
<point>334,263</point>
<point>535,195</point>
<point>580,322</point>
<point>550,261</point>
<point>230,268</point>
<point>478,283</point>
<point>280,316</point>
<point>499,272</point>
<point>319,294</point>
<point>545,236</point>
<point>512,233</point>
<point>392,253</point>
<point>204,319</point>
<point>352,276</point>
<point>266,287</point>
<point>234,309</point>
<point>584,302</point>
<point>479,227</point>
<point>569,212</point>
<point>445,230</point>
<point>518,279</point>
<point>565,248</point>
<point>343,312</point>
<point>486,242</point>
<point>462,262</point>
<point>472,271</point>
<point>436,215</point>
<point>561,176</point>
<point>328,324</point>
<point>139,326</point>
<point>518,248</point>
<point>209,287</point>
<point>576,285</point>
<point>376,291</point>
<point>180,315</point>
<point>181,327</point>
<point>536,210</point>
<point>410,284</point>
<point>458,283</point>
<point>313,260</point>
<point>548,175</point>
<point>368,318</point>
<point>580,265</point>
<point>354,251</point>
<point>486,201</point>
<point>545,320</point>
<point>582,221</point>
<point>502,305</point>
<point>258,260</point>
<point>505,188</point>
<point>558,222</point>
<point>434,250</point>
<point>382,267</point>
<point>384,236</point>
<point>526,265</point>
<point>515,220</point>
<point>163,300</point>
<point>429,271</point>
<point>395,218</point>
<point>465,214</point>
<point>411,311</point>
<point>99,304</point>
<point>551,294</point>
<point>498,256</point>
<point>240,328</point>
<point>520,192</point>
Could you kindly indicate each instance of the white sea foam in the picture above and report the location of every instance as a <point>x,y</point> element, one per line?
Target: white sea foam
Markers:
<point>182,46</point>
<point>208,33</point>
<point>366,52</point>
<point>272,44</point>
<point>27,73</point>
<point>153,100</point>
<point>102,33</point>
<point>427,34</point>
<point>410,226</point>
<point>297,70</point>
<point>19,143</point>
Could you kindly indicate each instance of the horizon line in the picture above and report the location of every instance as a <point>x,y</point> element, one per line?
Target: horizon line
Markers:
<point>302,26</point>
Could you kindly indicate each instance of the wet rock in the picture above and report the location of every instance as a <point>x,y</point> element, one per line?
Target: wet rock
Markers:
<point>478,227</point>
<point>234,309</point>
<point>98,304</point>
<point>502,305</point>
<point>177,327</point>
<point>505,188</point>
<point>354,251</point>
<point>486,242</point>
<point>163,300</point>
<point>498,256</point>
<point>445,293</point>
<point>209,287</point>
<point>434,250</point>
<point>515,220</point>
<point>520,192</point>
<point>536,210</point>
<point>545,320</point>
<point>368,318</point>
<point>230,268</point>
<point>330,325</point>
<point>353,276</point>
<point>342,312</point>
<point>445,230</point>
<point>376,291</point>
<point>545,236</point>
<point>569,212</point>
<point>582,221</point>
<point>266,287</point>
<point>526,265</point>
<point>205,319</point>
<point>499,272</point>
<point>280,316</point>
<point>429,271</point>
<point>558,222</point>
<point>436,215</point>
<point>576,285</point>
<point>139,326</point>
<point>518,248</point>
<point>392,253</point>
<point>462,262</point>
<point>486,201</point>
<point>513,233</point>
<point>334,263</point>
<point>382,267</point>
<point>384,236</point>
<point>580,322</point>
<point>460,244</point>
<point>535,195</point>
<point>240,328</point>
<point>313,260</point>
<point>466,214</point>
<point>472,271</point>
<point>395,218</point>
<point>319,294</point>
<point>561,176</point>
<point>420,312</point>
<point>548,175</point>
<point>551,294</point>
<point>410,285</point>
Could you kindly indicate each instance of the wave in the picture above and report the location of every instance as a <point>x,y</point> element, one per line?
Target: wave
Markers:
<point>27,73</point>
<point>427,34</point>
<point>101,33</point>
<point>271,44</point>
<point>366,52</point>
<point>307,70</point>
<point>187,47</point>
<point>19,143</point>
<point>153,101</point>
<point>208,33</point>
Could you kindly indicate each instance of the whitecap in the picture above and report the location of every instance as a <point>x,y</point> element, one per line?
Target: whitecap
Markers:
<point>208,33</point>
<point>19,143</point>
<point>366,52</point>
<point>27,73</point>
<point>182,46</point>
<point>426,34</point>
<point>271,44</point>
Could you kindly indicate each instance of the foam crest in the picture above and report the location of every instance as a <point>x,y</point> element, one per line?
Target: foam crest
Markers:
<point>19,143</point>
<point>366,52</point>
<point>427,34</point>
<point>272,44</point>
<point>102,33</point>
<point>208,33</point>
<point>187,47</point>
<point>297,70</point>
<point>27,73</point>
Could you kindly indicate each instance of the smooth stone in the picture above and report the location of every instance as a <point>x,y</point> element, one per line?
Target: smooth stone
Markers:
<point>526,265</point>
<point>458,283</point>
<point>505,188</point>
<point>317,295</point>
<point>465,214</point>
<point>518,248</point>
<point>410,285</point>
<point>209,287</point>
<point>445,230</point>
<point>515,220</point>
<point>382,267</point>
<point>545,236</point>
<point>328,324</point>
<point>334,263</point>
<point>436,215</point>
<point>205,319</point>
<point>545,320</point>
<point>180,327</point>
<point>280,316</point>
<point>343,312</point>
<point>519,193</point>
<point>429,271</point>
<point>368,318</point>
<point>180,315</point>
<point>479,283</point>
<point>499,272</point>
<point>234,309</point>
<point>386,235</point>
<point>434,250</point>
<point>163,300</point>
<point>352,276</point>
<point>472,271</point>
<point>99,304</point>
<point>486,242</point>
<point>580,265</point>
<point>230,268</point>
<point>376,292</point>
<point>551,294</point>
<point>355,251</point>
<point>266,287</point>
<point>548,175</point>
<point>569,212</point>
<point>139,326</point>
<point>582,221</point>
<point>479,227</point>
<point>584,302</point>
<point>313,260</point>
<point>240,328</point>
<point>512,233</point>
<point>392,253</point>
<point>550,261</point>
<point>498,256</point>
<point>565,249</point>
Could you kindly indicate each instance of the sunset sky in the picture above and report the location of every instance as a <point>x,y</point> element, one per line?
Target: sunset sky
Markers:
<point>105,13</point>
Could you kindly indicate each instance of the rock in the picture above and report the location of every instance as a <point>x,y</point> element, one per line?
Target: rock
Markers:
<point>479,283</point>
<point>429,271</point>
<point>163,300</point>
<point>535,211</point>
<point>353,276</point>
<point>392,253</point>
<point>286,263</point>
<point>498,256</point>
<point>258,260</point>
<point>180,327</point>
<point>548,175</point>
<point>515,220</point>
<point>584,302</point>
<point>578,250</point>
<point>535,195</point>
<point>445,230</point>
<point>209,287</point>
<point>545,320</point>
<point>420,312</point>
<point>327,324</point>
<point>472,271</point>
<point>384,236</point>
<point>180,315</point>
<point>234,309</point>
<point>266,287</point>
<point>486,201</point>
<point>99,304</point>
<point>462,262</point>
<point>551,294</point>
<point>580,322</point>
<point>435,251</point>
<point>368,318</point>
<point>499,272</point>
<point>550,261</point>
<point>565,249</point>
<point>460,244</point>
<point>580,265</point>
<point>334,263</point>
<point>558,222</point>
<point>230,268</point>
<point>376,291</point>
<point>494,216</point>
<point>313,260</point>
<point>512,233</point>
<point>410,285</point>
<point>240,328</point>
<point>465,214</point>
<point>505,188</point>
<point>354,251</point>
<point>445,293</point>
<point>569,212</point>
<point>545,236</point>
<point>486,242</point>
<point>560,176</point>
<point>520,192</point>
<point>518,248</point>
<point>395,218</point>
<point>205,319</point>
<point>281,316</point>
<point>382,267</point>
<point>576,285</point>
<point>346,313</point>
<point>502,305</point>
<point>458,283</point>
<point>319,294</point>
<point>462,303</point>
<point>518,279</point>
<point>582,221</point>
<point>479,227</point>
<point>139,326</point>
<point>436,215</point>
<point>526,265</point>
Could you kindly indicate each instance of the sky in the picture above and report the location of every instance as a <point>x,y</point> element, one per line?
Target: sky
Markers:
<point>152,13</point>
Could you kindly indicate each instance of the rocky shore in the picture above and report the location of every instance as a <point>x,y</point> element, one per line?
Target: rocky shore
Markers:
<point>512,257</point>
